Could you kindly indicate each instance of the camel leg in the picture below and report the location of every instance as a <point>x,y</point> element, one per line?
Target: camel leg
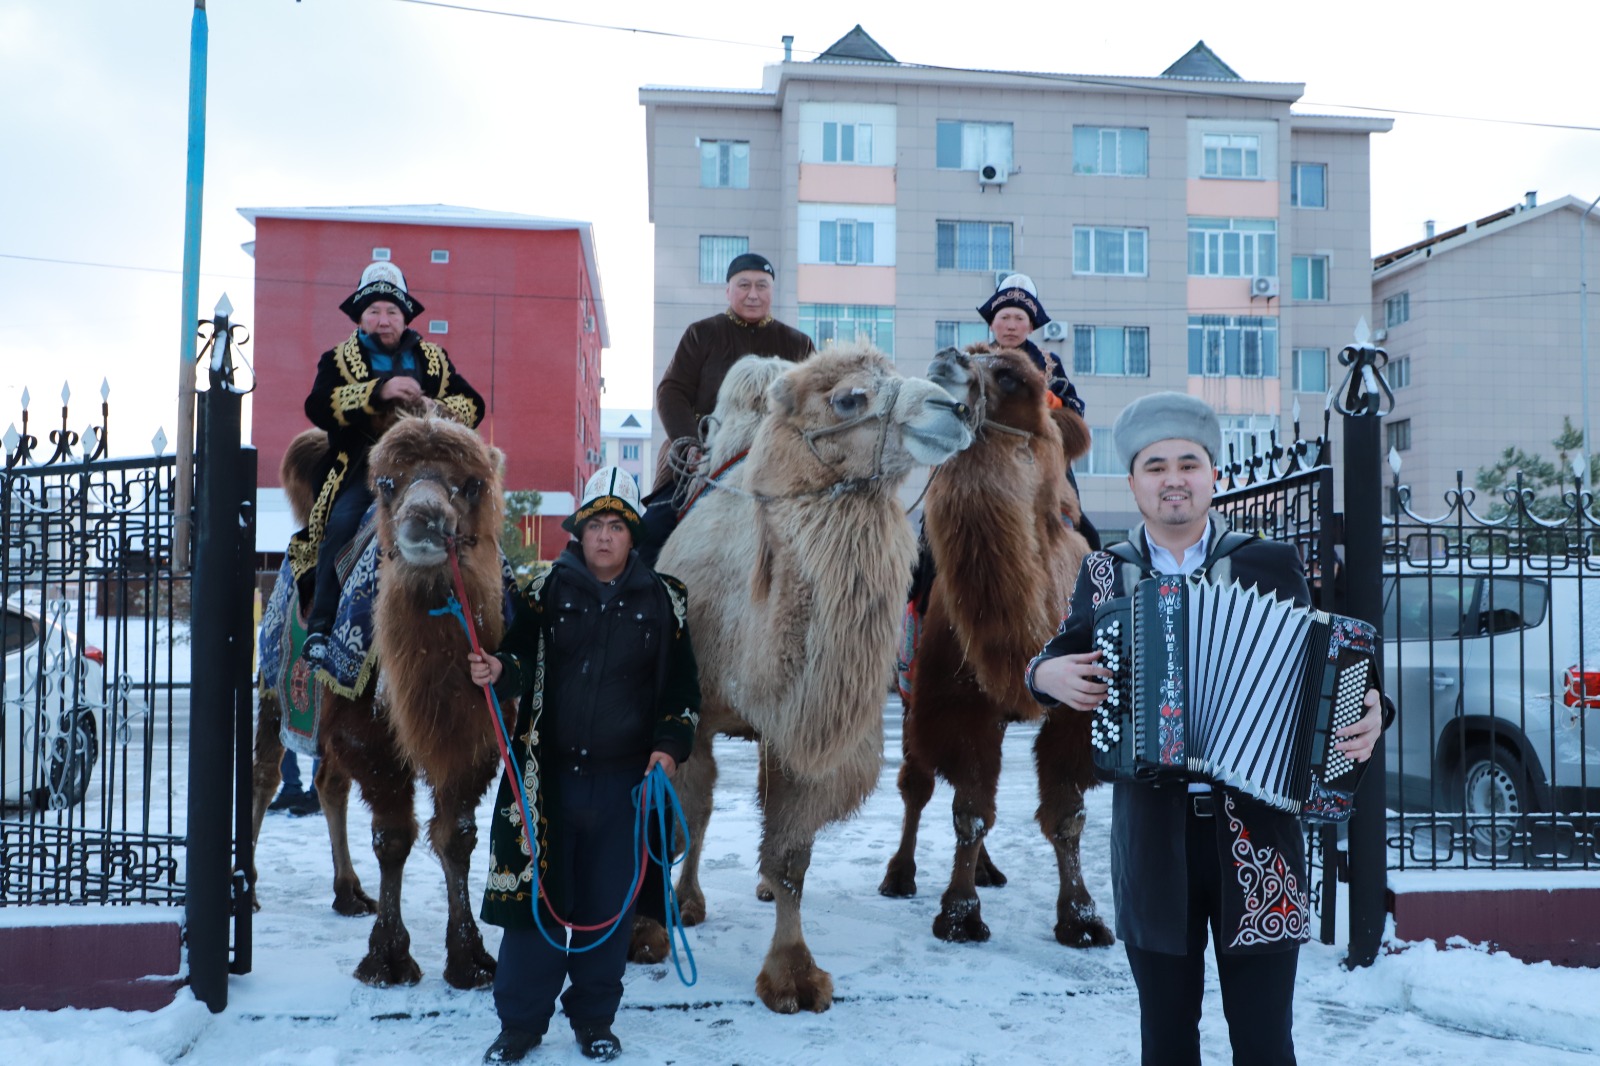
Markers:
<point>987,874</point>
<point>1059,753</point>
<point>333,792</point>
<point>694,782</point>
<point>960,917</point>
<point>790,980</point>
<point>266,775</point>
<point>916,783</point>
<point>453,833</point>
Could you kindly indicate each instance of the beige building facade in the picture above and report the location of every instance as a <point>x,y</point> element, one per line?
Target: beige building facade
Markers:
<point>1481,323</point>
<point>1186,231</point>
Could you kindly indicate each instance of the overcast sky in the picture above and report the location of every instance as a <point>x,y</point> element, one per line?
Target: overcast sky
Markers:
<point>343,102</point>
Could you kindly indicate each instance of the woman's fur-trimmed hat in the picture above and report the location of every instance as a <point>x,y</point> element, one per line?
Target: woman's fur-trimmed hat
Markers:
<point>381,281</point>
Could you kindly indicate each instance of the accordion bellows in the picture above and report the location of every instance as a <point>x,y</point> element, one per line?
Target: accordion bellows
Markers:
<point>1229,685</point>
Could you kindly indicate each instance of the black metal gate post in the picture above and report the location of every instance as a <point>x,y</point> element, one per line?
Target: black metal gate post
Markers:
<point>223,480</point>
<point>1366,399</point>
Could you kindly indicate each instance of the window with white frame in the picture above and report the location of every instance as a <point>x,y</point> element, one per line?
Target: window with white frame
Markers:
<point>842,323</point>
<point>972,145</point>
<point>1233,247</point>
<point>1397,309</point>
<point>630,451</point>
<point>1233,346</point>
<point>724,164</point>
<point>1398,372</point>
<point>958,334</point>
<point>1309,277</point>
<point>1245,435</point>
<point>715,255</point>
<point>439,255</point>
<point>1230,155</point>
<point>1101,460</point>
<point>1311,370</point>
<point>438,325</point>
<point>847,142</point>
<point>1109,250</point>
<point>1111,150</point>
<point>845,241</point>
<point>1117,351</point>
<point>380,255</point>
<point>1309,185</point>
<point>1398,435</point>
<point>973,246</point>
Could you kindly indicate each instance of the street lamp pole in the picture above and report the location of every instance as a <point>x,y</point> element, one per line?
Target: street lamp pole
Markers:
<point>199,36</point>
<point>1583,326</point>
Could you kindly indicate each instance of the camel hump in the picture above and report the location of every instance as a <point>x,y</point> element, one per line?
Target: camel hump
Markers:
<point>1075,436</point>
<point>298,471</point>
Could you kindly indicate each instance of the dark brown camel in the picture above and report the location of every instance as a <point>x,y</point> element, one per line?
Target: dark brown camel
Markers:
<point>1005,562</point>
<point>436,483</point>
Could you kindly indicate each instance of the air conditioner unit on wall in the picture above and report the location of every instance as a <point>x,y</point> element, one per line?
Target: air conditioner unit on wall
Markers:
<point>1054,331</point>
<point>990,174</point>
<point>1380,334</point>
<point>1263,286</point>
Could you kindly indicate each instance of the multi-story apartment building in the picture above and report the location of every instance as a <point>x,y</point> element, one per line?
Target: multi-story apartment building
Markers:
<point>1187,231</point>
<point>515,299</point>
<point>625,441</point>
<point>1481,323</point>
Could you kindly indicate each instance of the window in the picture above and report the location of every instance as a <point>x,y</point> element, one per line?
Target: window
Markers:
<point>1397,436</point>
<point>438,325</point>
<point>824,323</point>
<point>847,142</point>
<point>1110,150</point>
<point>845,241</point>
<point>380,255</point>
<point>974,246</point>
<point>1398,372</point>
<point>1397,309</point>
<point>439,255</point>
<point>1122,351</point>
<point>630,452</point>
<point>1309,185</point>
<point>1233,346</point>
<point>973,145</point>
<point>1104,250</point>
<point>1102,458</point>
<point>1310,277</point>
<point>715,255</point>
<point>1233,247</point>
<point>1231,155</point>
<point>1311,370</point>
<point>958,334</point>
<point>725,164</point>
<point>1244,436</point>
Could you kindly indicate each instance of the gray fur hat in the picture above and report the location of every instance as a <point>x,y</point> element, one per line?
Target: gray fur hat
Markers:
<point>1164,416</point>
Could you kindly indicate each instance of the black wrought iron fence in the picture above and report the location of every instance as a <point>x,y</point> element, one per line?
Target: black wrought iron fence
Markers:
<point>95,672</point>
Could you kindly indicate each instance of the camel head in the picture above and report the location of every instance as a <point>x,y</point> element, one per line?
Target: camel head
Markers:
<point>741,405</point>
<point>435,480</point>
<point>847,417</point>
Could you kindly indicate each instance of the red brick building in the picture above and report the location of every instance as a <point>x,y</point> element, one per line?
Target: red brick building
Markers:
<point>515,299</point>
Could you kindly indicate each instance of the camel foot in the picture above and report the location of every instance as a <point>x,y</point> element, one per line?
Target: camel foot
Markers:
<point>650,943</point>
<point>351,902</point>
<point>960,921</point>
<point>1084,929</point>
<point>987,875</point>
<point>899,880</point>
<point>790,982</point>
<point>476,971</point>
<point>691,908</point>
<point>381,971</point>
<point>764,891</point>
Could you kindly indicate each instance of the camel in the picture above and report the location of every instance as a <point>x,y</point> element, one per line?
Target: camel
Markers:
<point>797,577</point>
<point>437,486</point>
<point>1005,563</point>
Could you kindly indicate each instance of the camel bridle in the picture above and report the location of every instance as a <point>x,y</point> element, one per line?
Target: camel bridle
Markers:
<point>981,410</point>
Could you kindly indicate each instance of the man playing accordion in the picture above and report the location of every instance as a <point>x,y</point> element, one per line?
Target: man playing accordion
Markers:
<point>1187,860</point>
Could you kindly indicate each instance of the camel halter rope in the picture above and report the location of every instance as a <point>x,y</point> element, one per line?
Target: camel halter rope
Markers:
<point>655,791</point>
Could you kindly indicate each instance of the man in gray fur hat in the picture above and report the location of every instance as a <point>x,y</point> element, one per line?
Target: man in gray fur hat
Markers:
<point>1184,855</point>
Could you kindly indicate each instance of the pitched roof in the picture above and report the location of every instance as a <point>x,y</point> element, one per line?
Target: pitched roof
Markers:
<point>1201,62</point>
<point>856,46</point>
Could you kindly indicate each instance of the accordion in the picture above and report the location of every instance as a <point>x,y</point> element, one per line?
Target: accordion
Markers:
<point>1225,684</point>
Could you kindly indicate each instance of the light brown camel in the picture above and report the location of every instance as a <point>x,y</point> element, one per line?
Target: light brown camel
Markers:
<point>1005,562</point>
<point>796,583</point>
<point>436,483</point>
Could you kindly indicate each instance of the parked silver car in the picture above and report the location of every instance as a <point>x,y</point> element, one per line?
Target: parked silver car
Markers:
<point>1495,667</point>
<point>50,720</point>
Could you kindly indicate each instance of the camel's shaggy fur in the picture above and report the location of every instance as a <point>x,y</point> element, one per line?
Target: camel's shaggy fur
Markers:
<point>1005,562</point>
<point>796,580</point>
<point>436,482</point>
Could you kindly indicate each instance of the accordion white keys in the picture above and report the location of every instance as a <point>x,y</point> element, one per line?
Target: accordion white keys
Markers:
<point>1225,684</point>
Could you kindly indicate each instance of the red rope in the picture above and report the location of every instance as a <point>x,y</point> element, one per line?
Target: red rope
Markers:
<point>699,490</point>
<point>511,769</point>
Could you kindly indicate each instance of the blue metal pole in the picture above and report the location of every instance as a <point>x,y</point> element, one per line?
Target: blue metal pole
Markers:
<point>199,35</point>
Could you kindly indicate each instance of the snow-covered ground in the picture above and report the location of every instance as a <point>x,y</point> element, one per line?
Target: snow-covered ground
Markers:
<point>901,995</point>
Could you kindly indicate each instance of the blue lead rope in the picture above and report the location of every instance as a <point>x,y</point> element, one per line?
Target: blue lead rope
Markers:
<point>654,792</point>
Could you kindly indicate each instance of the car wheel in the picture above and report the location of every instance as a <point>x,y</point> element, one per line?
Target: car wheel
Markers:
<point>73,753</point>
<point>1493,782</point>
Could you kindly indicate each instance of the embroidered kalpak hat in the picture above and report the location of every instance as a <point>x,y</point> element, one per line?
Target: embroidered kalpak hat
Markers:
<point>610,488</point>
<point>1015,290</point>
<point>381,281</point>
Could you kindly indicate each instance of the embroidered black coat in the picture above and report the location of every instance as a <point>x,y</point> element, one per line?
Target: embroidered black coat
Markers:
<point>1261,851</point>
